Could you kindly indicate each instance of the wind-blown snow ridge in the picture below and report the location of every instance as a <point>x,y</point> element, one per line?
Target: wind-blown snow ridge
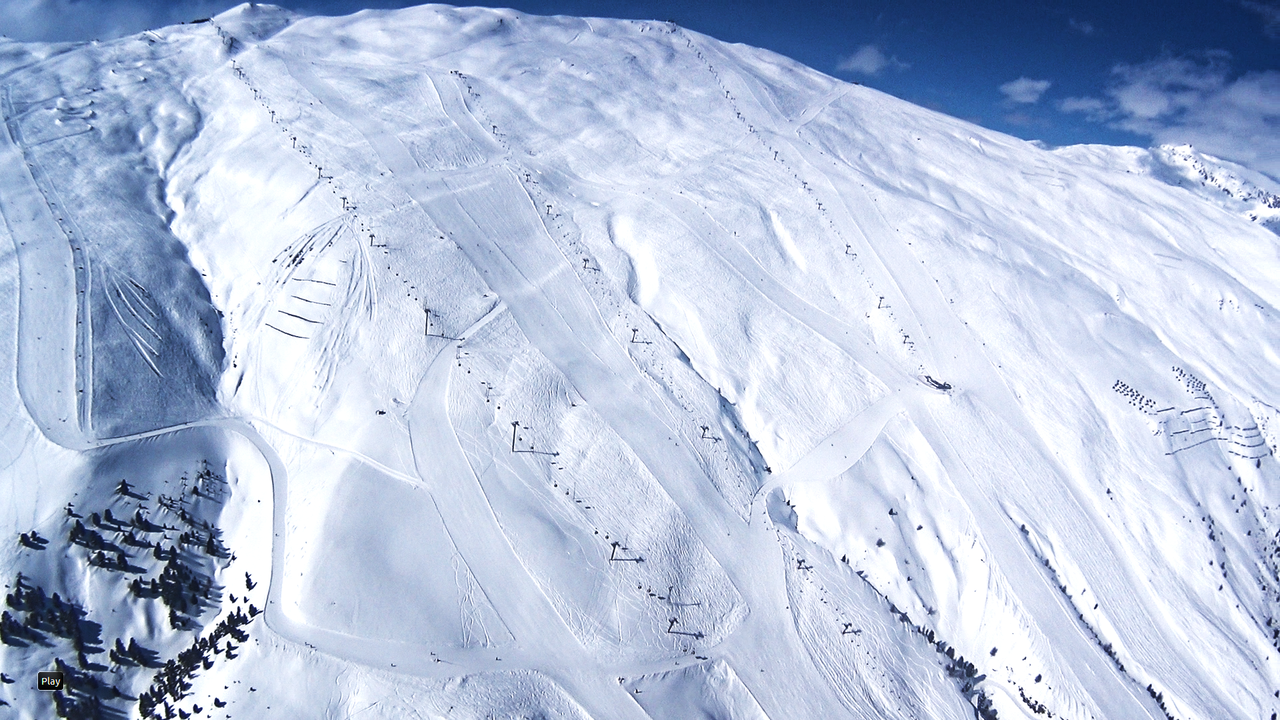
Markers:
<point>595,368</point>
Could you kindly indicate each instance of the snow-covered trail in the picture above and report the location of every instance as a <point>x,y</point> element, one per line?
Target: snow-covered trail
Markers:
<point>346,452</point>
<point>947,348</point>
<point>556,314</point>
<point>28,215</point>
<point>543,641</point>
<point>718,240</point>
<point>51,370</point>
<point>953,353</point>
<point>842,449</point>
<point>587,684</point>
<point>49,376</point>
<point>443,469</point>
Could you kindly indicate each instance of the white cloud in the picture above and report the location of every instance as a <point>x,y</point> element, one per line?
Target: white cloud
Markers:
<point>869,60</point>
<point>61,20</point>
<point>1183,100</point>
<point>1080,26</point>
<point>1094,108</point>
<point>1270,13</point>
<point>1024,90</point>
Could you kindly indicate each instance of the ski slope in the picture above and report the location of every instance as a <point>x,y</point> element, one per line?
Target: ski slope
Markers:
<point>568,367</point>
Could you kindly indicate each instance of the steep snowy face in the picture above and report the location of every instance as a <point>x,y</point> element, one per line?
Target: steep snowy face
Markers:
<point>595,368</point>
<point>1252,194</point>
<point>1230,186</point>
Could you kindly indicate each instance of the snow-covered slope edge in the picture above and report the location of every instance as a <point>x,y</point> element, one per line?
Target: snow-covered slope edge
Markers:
<point>1230,186</point>
<point>598,368</point>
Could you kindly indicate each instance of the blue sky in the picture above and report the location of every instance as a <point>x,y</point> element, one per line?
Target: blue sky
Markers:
<point>1137,73</point>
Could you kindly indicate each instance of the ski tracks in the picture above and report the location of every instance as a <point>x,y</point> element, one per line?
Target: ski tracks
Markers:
<point>476,206</point>
<point>52,334</point>
<point>961,360</point>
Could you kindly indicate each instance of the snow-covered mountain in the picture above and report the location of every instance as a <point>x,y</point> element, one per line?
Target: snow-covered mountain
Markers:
<point>462,363</point>
<point>1232,187</point>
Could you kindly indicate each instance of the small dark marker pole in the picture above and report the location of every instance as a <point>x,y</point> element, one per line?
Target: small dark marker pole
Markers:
<point>514,425</point>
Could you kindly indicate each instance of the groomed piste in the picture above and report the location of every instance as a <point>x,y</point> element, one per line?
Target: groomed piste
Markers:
<point>460,363</point>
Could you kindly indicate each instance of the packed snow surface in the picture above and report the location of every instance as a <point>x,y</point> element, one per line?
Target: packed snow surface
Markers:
<point>460,363</point>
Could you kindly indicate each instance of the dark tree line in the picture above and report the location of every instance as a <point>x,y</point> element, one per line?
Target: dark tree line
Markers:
<point>185,550</point>
<point>47,615</point>
<point>172,682</point>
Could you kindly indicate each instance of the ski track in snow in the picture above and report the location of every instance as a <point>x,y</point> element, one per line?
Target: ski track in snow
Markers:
<point>51,367</point>
<point>556,314</point>
<point>959,359</point>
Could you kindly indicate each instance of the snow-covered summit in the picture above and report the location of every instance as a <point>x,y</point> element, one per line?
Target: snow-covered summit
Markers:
<point>459,362</point>
<point>1230,186</point>
<point>1251,193</point>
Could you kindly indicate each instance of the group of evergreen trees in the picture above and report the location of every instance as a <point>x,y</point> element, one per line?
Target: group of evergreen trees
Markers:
<point>173,682</point>
<point>133,654</point>
<point>33,540</point>
<point>182,585</point>
<point>36,619</point>
<point>1035,706</point>
<point>84,694</point>
<point>47,614</point>
<point>185,591</point>
<point>957,666</point>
